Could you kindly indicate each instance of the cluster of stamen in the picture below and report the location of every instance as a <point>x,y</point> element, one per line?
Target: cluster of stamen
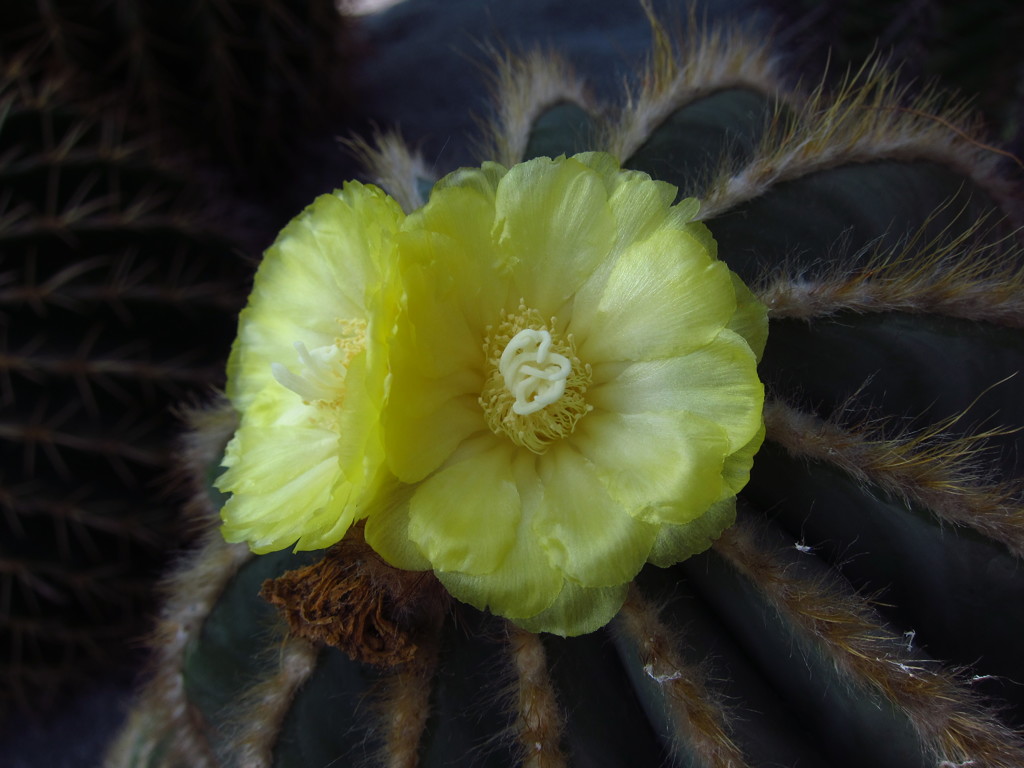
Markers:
<point>322,371</point>
<point>535,386</point>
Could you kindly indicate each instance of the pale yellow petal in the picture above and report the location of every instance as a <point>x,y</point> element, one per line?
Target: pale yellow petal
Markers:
<point>577,610</point>
<point>261,459</point>
<point>663,298</point>
<point>426,421</point>
<point>288,506</point>
<point>553,229</point>
<point>437,363</point>
<point>447,308</point>
<point>751,318</point>
<point>483,180</point>
<point>587,534</point>
<point>639,205</point>
<point>717,382</point>
<point>387,531</point>
<point>466,516</point>
<point>319,271</point>
<point>682,215</point>
<point>356,424</point>
<point>451,263</point>
<point>605,165</point>
<point>676,543</point>
<point>327,459</point>
<point>736,471</point>
<point>527,582</point>
<point>660,466</point>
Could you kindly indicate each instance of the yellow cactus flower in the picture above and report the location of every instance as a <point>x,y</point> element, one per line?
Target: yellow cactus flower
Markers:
<point>573,389</point>
<point>534,385</point>
<point>308,375</point>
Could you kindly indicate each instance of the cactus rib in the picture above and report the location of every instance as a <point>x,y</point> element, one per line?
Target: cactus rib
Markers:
<point>949,719</point>
<point>699,719</point>
<point>935,470</point>
<point>538,721</point>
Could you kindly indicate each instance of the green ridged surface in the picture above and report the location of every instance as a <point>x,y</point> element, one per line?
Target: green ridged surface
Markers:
<point>843,210</point>
<point>961,594</point>
<point>851,729</point>
<point>564,129</point>
<point>773,730</point>
<point>970,47</point>
<point>238,639</point>
<point>719,130</point>
<point>328,717</point>
<point>923,368</point>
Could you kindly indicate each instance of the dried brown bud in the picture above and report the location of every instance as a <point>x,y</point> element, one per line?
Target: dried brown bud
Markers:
<point>354,601</point>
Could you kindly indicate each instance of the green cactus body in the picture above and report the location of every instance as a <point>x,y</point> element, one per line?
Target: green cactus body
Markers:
<point>118,291</point>
<point>871,230</point>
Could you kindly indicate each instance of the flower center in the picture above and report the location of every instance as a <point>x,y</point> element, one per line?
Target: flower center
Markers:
<point>535,383</point>
<point>322,371</point>
<point>533,373</point>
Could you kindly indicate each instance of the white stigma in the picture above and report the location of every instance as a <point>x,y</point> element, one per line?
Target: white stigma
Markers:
<point>322,376</point>
<point>533,373</point>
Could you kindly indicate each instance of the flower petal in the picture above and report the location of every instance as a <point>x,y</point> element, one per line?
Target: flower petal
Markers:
<point>553,229</point>
<point>483,180</point>
<point>262,459</point>
<point>284,476</point>
<point>436,354</point>
<point>465,517</point>
<point>448,250</point>
<point>586,533</point>
<point>659,466</point>
<point>640,206</point>
<point>426,421</point>
<point>578,610</point>
<point>330,258</point>
<point>664,298</point>
<point>717,382</point>
<point>675,543</point>
<point>387,531</point>
<point>284,489</point>
<point>751,318</point>
<point>526,583</point>
<point>736,470</point>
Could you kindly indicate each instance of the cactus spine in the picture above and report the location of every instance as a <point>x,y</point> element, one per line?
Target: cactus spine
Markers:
<point>873,224</point>
<point>113,266</point>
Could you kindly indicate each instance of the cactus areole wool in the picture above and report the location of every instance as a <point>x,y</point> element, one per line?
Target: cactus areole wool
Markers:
<point>532,386</point>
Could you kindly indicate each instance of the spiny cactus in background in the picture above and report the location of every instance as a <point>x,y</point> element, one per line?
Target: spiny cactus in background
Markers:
<point>971,47</point>
<point>239,78</point>
<point>119,282</point>
<point>866,607</point>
